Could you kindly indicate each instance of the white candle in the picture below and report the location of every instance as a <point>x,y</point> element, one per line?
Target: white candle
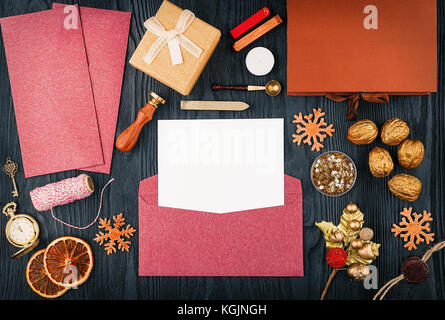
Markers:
<point>260,61</point>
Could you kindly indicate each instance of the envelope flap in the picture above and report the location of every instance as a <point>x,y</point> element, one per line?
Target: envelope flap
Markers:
<point>148,190</point>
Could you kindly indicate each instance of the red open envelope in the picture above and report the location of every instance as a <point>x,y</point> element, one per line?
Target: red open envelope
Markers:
<point>260,242</point>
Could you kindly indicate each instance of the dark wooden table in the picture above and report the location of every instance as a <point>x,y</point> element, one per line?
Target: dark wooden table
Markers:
<point>115,276</point>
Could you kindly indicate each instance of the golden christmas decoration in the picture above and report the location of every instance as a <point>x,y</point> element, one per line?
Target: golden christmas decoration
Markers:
<point>405,187</point>
<point>363,132</point>
<point>360,251</point>
<point>366,252</point>
<point>356,244</point>
<point>366,234</point>
<point>358,271</point>
<point>336,237</point>
<point>410,153</point>
<point>355,225</point>
<point>380,162</point>
<point>394,131</point>
<point>351,208</point>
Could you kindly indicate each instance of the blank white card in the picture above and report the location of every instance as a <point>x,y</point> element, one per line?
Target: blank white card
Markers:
<point>220,166</point>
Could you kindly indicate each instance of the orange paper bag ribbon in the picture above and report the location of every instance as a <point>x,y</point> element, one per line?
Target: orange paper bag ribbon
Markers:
<point>353,99</point>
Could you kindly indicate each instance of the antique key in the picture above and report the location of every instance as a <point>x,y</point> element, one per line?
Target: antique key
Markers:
<point>10,168</point>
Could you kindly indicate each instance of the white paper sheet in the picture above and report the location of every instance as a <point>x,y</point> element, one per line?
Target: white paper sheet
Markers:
<point>220,166</point>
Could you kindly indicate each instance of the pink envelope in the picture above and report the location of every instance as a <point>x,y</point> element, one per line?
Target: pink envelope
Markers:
<point>260,242</point>
<point>106,36</point>
<point>51,89</point>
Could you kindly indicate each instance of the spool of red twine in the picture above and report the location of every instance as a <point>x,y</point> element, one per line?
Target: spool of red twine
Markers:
<point>64,192</point>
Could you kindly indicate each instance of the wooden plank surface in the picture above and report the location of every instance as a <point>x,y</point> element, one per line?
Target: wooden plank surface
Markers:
<point>115,276</point>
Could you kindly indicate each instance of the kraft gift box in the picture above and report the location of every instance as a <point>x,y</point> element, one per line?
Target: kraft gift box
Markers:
<point>180,77</point>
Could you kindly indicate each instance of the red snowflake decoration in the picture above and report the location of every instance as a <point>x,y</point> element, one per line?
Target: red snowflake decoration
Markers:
<point>114,234</point>
<point>315,131</point>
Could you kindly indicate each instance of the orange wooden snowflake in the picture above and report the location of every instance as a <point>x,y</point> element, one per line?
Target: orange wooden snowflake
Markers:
<point>114,234</point>
<point>414,228</point>
<point>315,131</point>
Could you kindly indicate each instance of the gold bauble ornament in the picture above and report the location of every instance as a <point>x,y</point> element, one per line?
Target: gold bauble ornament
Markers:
<point>356,244</point>
<point>355,225</point>
<point>351,208</point>
<point>336,237</point>
<point>366,252</point>
<point>358,271</point>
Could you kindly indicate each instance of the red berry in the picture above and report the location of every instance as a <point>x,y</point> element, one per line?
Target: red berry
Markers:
<point>336,258</point>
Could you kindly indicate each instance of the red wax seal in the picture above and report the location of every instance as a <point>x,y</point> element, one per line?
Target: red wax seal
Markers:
<point>250,22</point>
<point>415,270</point>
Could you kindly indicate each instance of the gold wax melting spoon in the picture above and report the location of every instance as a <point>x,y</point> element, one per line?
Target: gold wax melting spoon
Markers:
<point>273,88</point>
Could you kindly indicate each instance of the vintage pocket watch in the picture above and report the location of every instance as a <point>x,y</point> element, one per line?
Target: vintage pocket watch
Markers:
<point>22,230</point>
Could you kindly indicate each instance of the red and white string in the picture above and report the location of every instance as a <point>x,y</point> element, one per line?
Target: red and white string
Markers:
<point>64,192</point>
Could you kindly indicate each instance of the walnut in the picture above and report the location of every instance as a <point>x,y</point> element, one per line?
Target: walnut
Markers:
<point>363,132</point>
<point>394,131</point>
<point>410,153</point>
<point>405,186</point>
<point>380,162</point>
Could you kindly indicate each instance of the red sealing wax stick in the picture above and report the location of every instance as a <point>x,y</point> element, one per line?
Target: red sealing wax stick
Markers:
<point>251,22</point>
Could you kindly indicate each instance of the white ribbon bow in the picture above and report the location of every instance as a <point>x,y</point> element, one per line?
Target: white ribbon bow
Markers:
<point>173,38</point>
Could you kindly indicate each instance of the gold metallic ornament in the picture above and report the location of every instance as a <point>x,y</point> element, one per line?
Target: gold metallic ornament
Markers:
<point>336,237</point>
<point>363,132</point>
<point>394,131</point>
<point>366,234</point>
<point>410,153</point>
<point>351,208</point>
<point>366,252</point>
<point>405,186</point>
<point>380,162</point>
<point>355,225</point>
<point>358,271</point>
<point>356,244</point>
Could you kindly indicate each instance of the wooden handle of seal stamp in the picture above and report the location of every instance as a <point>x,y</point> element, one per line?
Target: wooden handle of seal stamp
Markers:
<point>127,139</point>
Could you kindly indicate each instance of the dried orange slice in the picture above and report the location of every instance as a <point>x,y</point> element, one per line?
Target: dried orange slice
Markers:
<point>68,261</point>
<point>38,280</point>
